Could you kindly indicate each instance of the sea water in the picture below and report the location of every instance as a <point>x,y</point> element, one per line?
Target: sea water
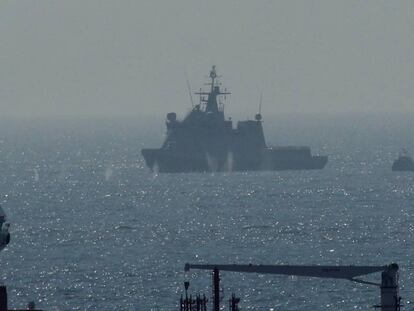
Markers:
<point>93,229</point>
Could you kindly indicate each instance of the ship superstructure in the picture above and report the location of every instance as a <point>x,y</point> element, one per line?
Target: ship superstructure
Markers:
<point>404,162</point>
<point>206,141</point>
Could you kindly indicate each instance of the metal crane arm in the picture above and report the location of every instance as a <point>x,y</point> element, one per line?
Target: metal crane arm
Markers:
<point>336,272</point>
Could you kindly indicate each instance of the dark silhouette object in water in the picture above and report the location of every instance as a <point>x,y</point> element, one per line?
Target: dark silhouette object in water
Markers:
<point>404,162</point>
<point>4,230</point>
<point>204,141</point>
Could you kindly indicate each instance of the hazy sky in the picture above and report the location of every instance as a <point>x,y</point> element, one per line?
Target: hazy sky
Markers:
<point>131,57</point>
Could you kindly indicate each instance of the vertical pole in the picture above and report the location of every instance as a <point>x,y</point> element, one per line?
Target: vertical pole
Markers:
<point>216,290</point>
<point>186,285</point>
<point>204,303</point>
<point>3,298</point>
<point>390,297</point>
<point>198,302</point>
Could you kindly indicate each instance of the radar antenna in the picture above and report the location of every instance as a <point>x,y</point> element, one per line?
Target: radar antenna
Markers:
<point>213,74</point>
<point>213,77</point>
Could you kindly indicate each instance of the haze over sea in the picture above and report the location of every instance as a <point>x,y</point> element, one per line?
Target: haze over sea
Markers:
<point>93,229</point>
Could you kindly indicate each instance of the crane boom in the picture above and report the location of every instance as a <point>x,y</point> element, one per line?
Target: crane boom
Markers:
<point>336,272</point>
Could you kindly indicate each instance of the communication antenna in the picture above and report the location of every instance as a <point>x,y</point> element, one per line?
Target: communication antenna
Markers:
<point>258,115</point>
<point>189,91</point>
<point>260,103</point>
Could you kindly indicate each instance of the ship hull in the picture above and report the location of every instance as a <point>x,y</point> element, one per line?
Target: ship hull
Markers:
<point>163,161</point>
<point>399,166</point>
<point>312,163</point>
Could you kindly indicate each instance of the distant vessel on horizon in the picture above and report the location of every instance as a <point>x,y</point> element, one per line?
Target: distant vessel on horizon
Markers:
<point>404,162</point>
<point>204,141</point>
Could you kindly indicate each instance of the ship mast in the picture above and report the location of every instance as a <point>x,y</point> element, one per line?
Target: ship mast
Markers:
<point>213,76</point>
<point>211,102</point>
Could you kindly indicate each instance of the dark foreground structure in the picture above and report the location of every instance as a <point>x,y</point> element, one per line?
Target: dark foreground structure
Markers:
<point>4,241</point>
<point>204,141</point>
<point>390,299</point>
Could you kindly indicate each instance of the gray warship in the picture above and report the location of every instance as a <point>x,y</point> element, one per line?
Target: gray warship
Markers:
<point>205,141</point>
